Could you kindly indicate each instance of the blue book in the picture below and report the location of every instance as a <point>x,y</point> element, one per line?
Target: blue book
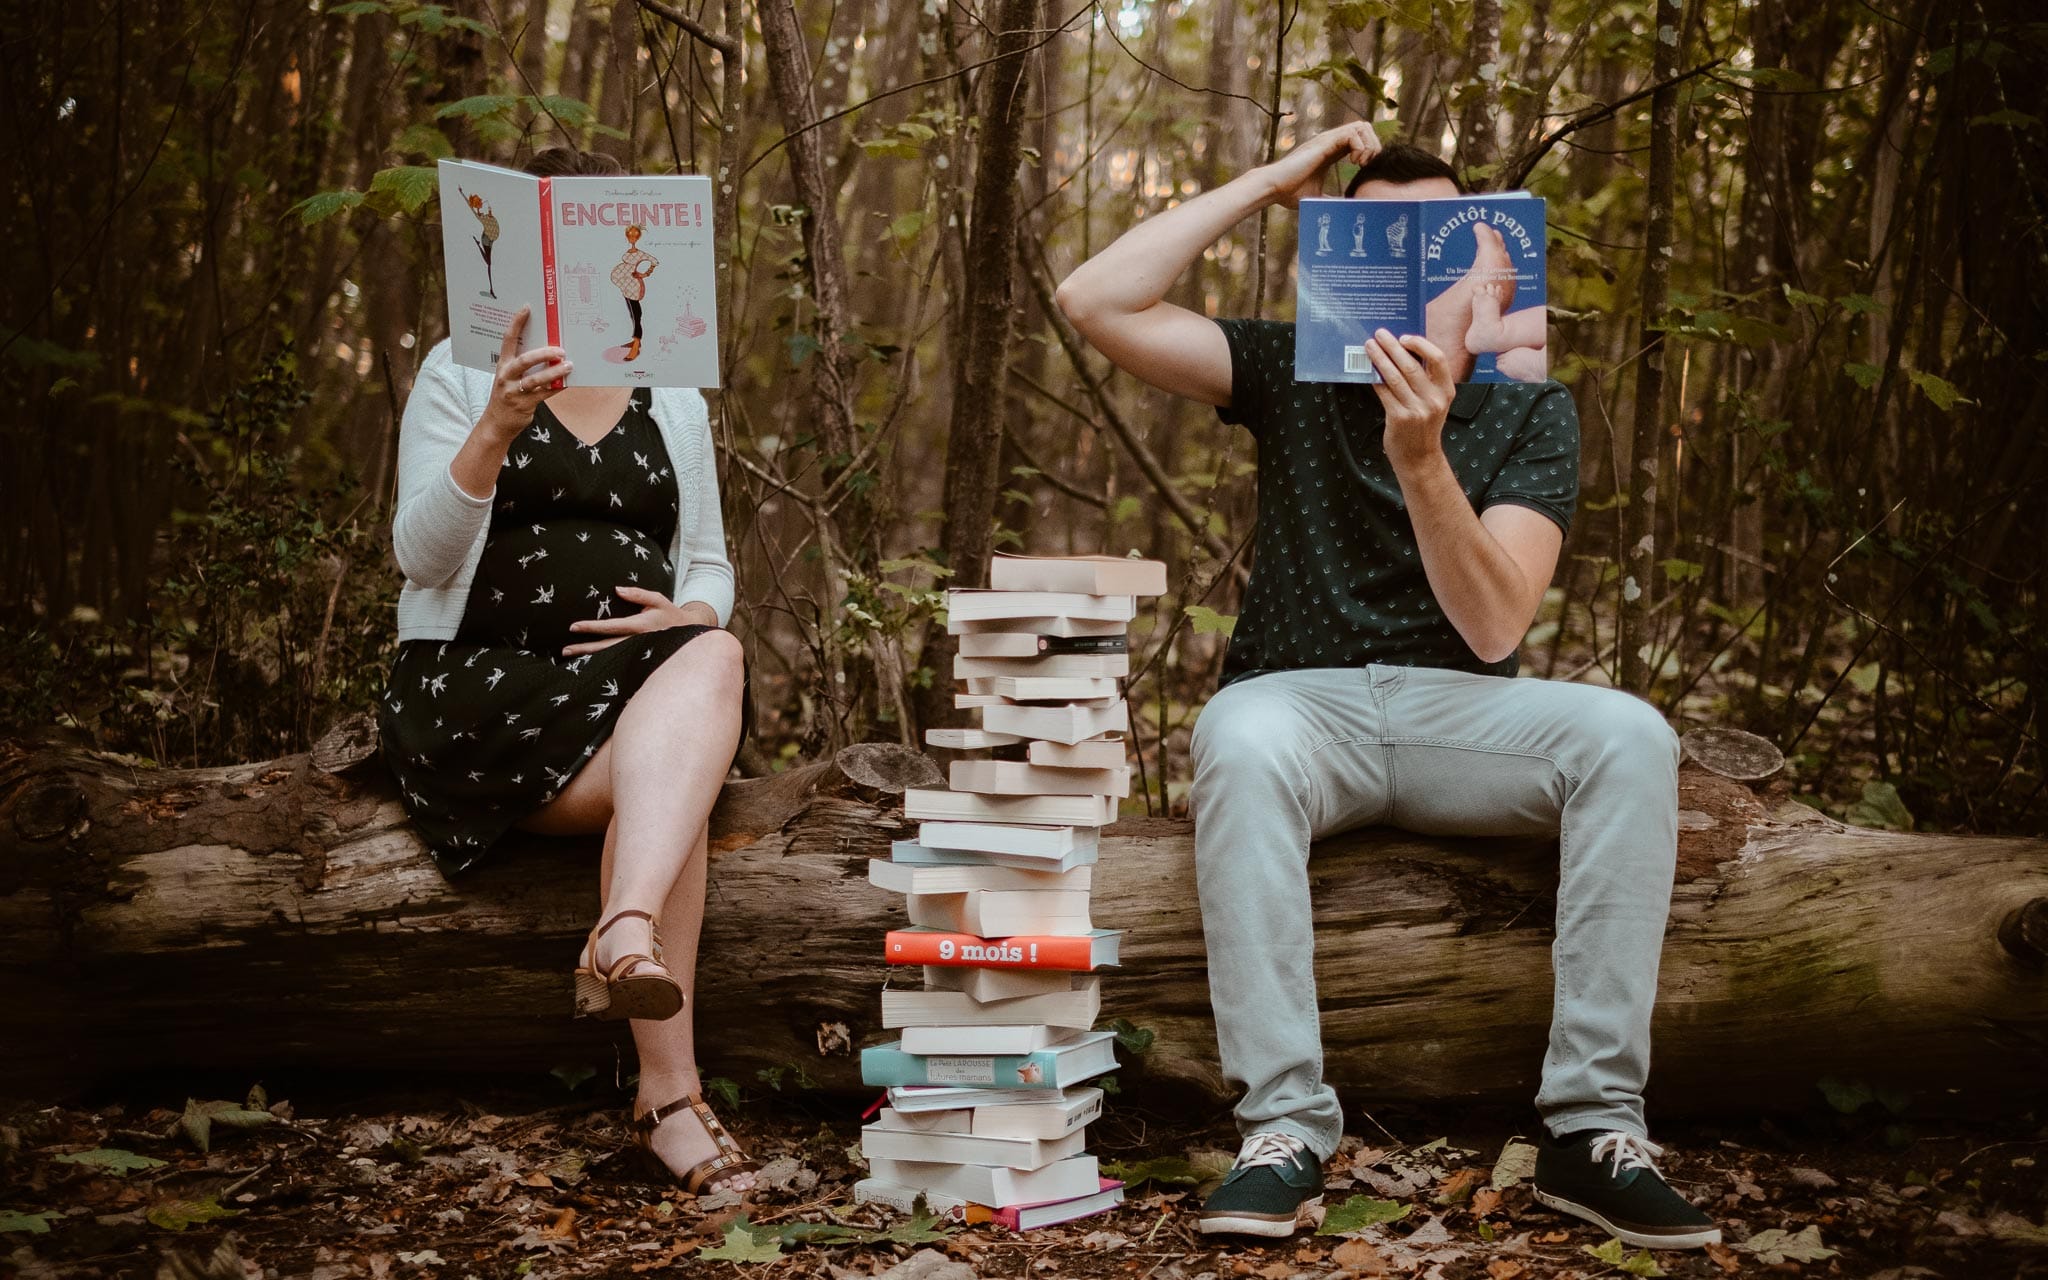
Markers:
<point>1363,265</point>
<point>1081,1058</point>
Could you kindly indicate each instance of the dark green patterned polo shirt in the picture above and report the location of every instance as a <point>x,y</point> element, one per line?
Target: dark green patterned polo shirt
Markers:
<point>1337,580</point>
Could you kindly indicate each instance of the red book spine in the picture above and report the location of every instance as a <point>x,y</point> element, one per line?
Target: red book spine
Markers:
<point>965,951</point>
<point>551,299</point>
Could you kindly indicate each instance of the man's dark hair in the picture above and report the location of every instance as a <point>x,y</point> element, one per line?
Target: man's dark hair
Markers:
<point>1403,162</point>
<point>564,162</point>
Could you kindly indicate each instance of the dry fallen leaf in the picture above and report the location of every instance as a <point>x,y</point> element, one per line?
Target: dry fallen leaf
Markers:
<point>1553,1237</point>
<point>564,1225</point>
<point>1485,1201</point>
<point>1725,1258</point>
<point>1504,1269</point>
<point>1276,1271</point>
<point>1359,1257</point>
<point>1459,1187</point>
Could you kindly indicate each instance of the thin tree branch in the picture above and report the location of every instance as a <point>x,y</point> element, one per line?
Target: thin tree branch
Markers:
<point>1524,165</point>
<point>727,46</point>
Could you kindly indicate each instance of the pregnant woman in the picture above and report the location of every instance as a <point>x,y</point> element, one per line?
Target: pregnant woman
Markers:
<point>562,669</point>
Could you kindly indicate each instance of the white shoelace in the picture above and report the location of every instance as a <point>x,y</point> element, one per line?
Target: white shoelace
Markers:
<point>1626,1151</point>
<point>1269,1148</point>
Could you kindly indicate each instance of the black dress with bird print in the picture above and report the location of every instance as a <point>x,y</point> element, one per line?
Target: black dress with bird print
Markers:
<point>484,729</point>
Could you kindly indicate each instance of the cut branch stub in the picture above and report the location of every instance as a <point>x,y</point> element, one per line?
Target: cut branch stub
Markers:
<point>888,767</point>
<point>1733,754</point>
<point>2024,933</point>
<point>352,740</point>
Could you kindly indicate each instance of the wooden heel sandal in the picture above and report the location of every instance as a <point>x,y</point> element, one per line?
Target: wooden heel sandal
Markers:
<point>626,989</point>
<point>729,1160</point>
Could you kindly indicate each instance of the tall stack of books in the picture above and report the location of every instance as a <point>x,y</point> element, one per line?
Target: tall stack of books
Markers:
<point>988,1107</point>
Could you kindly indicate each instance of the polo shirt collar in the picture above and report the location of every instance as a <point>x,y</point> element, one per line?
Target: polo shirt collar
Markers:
<point>1471,398</point>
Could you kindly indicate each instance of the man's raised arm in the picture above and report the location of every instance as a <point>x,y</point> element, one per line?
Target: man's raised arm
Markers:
<point>1117,299</point>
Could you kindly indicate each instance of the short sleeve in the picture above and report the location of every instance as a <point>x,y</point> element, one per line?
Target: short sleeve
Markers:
<point>1542,468</point>
<point>1261,370</point>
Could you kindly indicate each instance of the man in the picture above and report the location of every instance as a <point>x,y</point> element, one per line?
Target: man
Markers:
<point>1405,537</point>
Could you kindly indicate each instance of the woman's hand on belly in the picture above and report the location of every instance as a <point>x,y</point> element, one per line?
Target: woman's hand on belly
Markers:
<point>657,613</point>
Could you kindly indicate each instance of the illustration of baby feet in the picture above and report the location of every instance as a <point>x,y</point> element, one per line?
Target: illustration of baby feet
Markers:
<point>1488,330</point>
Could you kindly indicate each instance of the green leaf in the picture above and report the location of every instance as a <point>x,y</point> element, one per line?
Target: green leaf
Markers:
<point>111,1160</point>
<point>725,1091</point>
<point>1859,304</point>
<point>574,1077</point>
<point>477,107</point>
<point>1515,1164</point>
<point>325,204</point>
<point>1358,1213</point>
<point>1207,621</point>
<point>410,185</point>
<point>1165,1171</point>
<point>200,1117</point>
<point>357,8</point>
<point>1768,77</point>
<point>1677,571</point>
<point>423,140</point>
<point>1864,375</point>
<point>742,1245</point>
<point>921,1227</point>
<point>1803,298</point>
<point>1852,1096</point>
<point>572,112</point>
<point>1615,1254</point>
<point>801,347</point>
<point>1941,391</point>
<point>1777,1245</point>
<point>1880,807</point>
<point>176,1215</point>
<point>35,1224</point>
<point>1131,1038</point>
<point>2007,118</point>
<point>906,227</point>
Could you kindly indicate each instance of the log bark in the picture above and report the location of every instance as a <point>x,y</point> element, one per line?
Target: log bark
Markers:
<point>273,916</point>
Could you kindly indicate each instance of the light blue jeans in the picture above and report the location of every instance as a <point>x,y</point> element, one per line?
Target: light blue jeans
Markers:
<point>1293,756</point>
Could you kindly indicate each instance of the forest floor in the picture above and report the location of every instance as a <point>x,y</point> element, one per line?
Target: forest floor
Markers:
<point>419,1181</point>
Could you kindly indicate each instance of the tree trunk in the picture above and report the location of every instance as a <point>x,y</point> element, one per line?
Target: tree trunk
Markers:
<point>1479,117</point>
<point>1637,554</point>
<point>974,439</point>
<point>270,916</point>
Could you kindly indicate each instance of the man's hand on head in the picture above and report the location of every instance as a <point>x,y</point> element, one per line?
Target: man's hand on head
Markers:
<point>1298,175</point>
<point>1416,388</point>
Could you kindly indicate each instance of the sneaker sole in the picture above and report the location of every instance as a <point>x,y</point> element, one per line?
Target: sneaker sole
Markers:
<point>1686,1240</point>
<point>1246,1224</point>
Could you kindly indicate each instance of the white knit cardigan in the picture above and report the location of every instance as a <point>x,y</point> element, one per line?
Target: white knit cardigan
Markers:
<point>438,530</point>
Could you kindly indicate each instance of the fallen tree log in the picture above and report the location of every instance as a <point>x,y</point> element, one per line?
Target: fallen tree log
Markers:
<point>282,915</point>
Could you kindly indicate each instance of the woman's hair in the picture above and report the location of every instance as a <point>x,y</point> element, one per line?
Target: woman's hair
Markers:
<point>1403,162</point>
<point>568,162</point>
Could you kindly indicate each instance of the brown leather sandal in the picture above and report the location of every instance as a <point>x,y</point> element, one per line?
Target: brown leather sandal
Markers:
<point>729,1160</point>
<point>627,989</point>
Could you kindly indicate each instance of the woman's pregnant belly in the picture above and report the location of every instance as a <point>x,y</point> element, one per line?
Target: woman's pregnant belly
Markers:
<point>538,576</point>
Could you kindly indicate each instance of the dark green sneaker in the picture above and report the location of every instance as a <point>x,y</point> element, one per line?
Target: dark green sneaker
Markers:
<point>1608,1179</point>
<point>1276,1177</point>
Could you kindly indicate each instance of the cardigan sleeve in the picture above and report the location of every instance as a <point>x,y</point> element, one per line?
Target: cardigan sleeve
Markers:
<point>703,572</point>
<point>436,521</point>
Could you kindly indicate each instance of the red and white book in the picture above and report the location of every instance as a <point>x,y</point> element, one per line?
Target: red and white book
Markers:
<point>1093,575</point>
<point>1108,752</point>
<point>586,254</point>
<point>1017,778</point>
<point>939,948</point>
<point>922,804</point>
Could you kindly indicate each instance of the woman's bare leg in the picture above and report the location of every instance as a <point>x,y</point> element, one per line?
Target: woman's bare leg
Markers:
<point>668,1049</point>
<point>661,769</point>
